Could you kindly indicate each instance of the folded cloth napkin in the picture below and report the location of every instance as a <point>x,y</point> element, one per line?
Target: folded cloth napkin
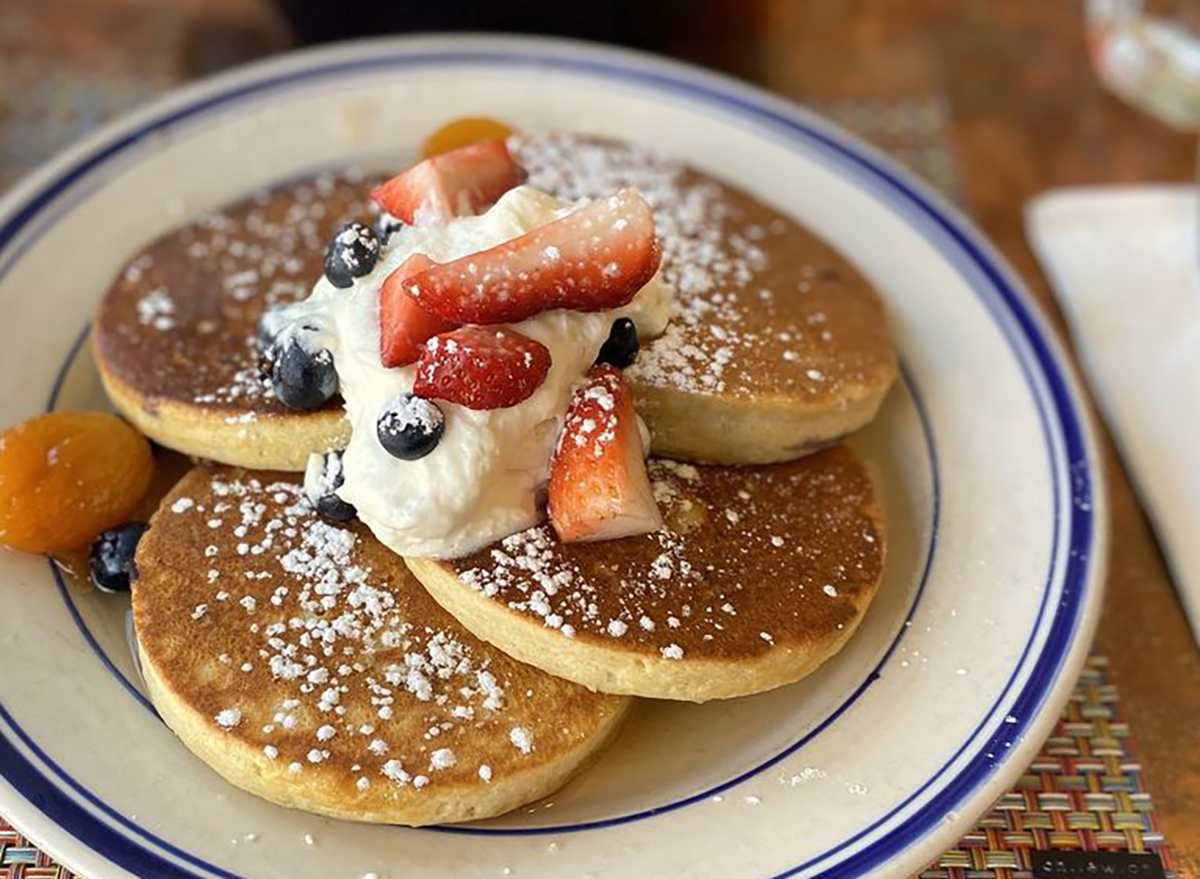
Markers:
<point>1125,264</point>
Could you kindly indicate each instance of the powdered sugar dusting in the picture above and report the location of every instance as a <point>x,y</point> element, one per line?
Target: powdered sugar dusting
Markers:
<point>190,303</point>
<point>407,411</point>
<point>228,718</point>
<point>157,309</point>
<point>705,256</point>
<point>522,739</point>
<point>592,422</point>
<point>773,539</point>
<point>727,324</point>
<point>360,683</point>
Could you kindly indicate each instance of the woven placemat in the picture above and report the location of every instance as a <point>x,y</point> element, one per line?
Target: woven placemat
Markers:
<point>21,859</point>
<point>1085,790</point>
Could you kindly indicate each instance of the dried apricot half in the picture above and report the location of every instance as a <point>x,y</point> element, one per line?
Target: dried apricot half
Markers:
<point>463,132</point>
<point>67,476</point>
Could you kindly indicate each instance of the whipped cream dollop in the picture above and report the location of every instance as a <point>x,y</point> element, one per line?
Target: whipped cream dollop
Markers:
<point>482,481</point>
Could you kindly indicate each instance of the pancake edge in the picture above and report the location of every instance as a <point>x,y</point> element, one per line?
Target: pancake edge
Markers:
<point>623,672</point>
<point>714,429</point>
<point>273,442</point>
<point>247,768</point>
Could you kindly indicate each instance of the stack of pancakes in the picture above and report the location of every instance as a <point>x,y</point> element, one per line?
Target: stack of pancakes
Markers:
<point>310,665</point>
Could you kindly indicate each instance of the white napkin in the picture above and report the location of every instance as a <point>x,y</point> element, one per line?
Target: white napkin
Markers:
<point>1125,264</point>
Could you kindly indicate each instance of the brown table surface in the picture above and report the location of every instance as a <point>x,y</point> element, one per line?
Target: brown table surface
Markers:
<point>1025,114</point>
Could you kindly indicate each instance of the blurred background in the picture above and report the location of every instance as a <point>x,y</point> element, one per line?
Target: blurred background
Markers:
<point>1006,84</point>
<point>991,102</point>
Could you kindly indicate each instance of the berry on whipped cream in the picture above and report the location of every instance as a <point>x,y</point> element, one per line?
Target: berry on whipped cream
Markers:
<point>599,489</point>
<point>410,427</point>
<point>495,319</point>
<point>404,326</point>
<point>457,183</point>
<point>482,367</point>
<point>592,259</point>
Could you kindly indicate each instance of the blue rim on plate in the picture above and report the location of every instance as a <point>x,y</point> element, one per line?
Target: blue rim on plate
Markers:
<point>1065,428</point>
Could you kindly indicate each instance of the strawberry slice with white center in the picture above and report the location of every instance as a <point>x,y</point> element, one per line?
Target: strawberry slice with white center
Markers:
<point>481,367</point>
<point>455,184</point>
<point>404,326</point>
<point>599,489</point>
<point>593,259</point>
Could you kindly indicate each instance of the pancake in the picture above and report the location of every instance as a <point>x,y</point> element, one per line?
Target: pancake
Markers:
<point>777,346</point>
<point>759,575</point>
<point>303,662</point>
<point>174,337</point>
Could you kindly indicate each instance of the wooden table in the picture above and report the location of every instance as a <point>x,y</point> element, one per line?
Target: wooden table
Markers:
<point>1026,114</point>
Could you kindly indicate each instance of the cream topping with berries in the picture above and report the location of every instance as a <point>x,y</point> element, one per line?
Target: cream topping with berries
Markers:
<point>482,481</point>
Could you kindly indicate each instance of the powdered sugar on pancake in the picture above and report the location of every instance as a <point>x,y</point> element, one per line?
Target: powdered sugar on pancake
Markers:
<point>336,641</point>
<point>185,310</point>
<point>752,289</point>
<point>705,255</point>
<point>747,560</point>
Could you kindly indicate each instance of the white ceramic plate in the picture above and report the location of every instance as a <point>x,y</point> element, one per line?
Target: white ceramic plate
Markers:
<point>872,766</point>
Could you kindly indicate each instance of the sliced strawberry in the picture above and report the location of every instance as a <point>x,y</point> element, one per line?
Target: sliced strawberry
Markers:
<point>404,326</point>
<point>481,368</point>
<point>458,183</point>
<point>596,258</point>
<point>599,489</point>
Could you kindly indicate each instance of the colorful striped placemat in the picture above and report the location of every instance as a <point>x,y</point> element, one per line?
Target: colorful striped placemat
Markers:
<point>1085,790</point>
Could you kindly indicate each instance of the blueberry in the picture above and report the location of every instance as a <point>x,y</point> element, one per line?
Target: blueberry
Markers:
<point>322,479</point>
<point>622,345</point>
<point>410,427</point>
<point>386,226</point>
<point>333,507</point>
<point>352,253</point>
<point>110,560</point>
<point>302,380</point>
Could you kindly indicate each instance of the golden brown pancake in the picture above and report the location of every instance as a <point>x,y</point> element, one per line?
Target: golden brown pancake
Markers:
<point>303,662</point>
<point>174,337</point>
<point>777,346</point>
<point>759,576</point>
